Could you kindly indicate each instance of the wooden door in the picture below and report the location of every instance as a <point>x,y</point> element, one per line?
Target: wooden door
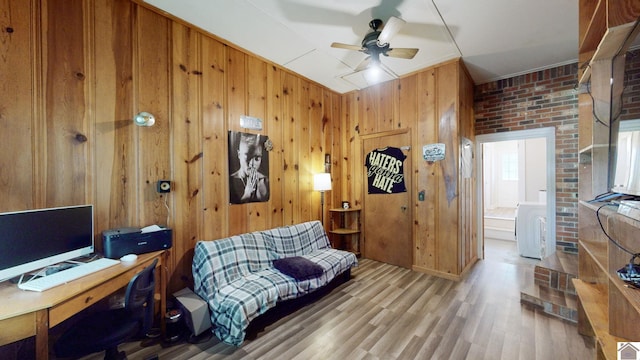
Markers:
<point>386,217</point>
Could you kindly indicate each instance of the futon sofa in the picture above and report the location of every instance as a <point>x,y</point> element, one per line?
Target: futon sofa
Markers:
<point>243,276</point>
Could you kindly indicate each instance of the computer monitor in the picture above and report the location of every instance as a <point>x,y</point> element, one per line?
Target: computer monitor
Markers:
<point>33,239</point>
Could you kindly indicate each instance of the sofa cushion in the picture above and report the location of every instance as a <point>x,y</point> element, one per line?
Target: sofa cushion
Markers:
<point>217,263</point>
<point>296,240</point>
<point>239,302</point>
<point>298,267</point>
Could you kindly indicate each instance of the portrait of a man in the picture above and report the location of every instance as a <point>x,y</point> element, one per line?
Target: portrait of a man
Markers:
<point>248,168</point>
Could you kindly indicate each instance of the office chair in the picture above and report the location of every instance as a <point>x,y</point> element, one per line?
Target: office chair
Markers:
<point>107,329</point>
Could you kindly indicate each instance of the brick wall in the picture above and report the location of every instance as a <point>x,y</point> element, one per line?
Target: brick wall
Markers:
<point>631,94</point>
<point>549,98</point>
<point>540,99</point>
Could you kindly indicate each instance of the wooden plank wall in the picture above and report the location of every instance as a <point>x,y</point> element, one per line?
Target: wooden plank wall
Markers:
<point>468,228</point>
<point>76,71</point>
<point>437,103</point>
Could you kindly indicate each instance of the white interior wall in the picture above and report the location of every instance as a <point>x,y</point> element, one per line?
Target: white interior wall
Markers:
<point>532,172</point>
<point>502,192</point>
<point>535,168</point>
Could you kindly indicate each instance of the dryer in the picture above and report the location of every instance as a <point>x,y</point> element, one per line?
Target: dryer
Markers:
<point>531,229</point>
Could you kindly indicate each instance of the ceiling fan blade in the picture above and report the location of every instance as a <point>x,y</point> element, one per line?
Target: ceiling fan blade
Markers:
<point>403,53</point>
<point>363,64</point>
<point>346,46</point>
<point>390,29</point>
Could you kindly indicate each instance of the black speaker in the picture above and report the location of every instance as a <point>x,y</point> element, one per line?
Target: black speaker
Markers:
<point>163,186</point>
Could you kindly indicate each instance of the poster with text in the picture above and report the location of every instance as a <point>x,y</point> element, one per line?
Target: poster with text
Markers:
<point>385,171</point>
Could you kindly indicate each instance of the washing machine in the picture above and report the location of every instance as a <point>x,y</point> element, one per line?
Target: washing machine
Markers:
<point>531,229</point>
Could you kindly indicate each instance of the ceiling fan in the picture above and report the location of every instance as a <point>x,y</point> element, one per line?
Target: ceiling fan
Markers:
<point>376,43</point>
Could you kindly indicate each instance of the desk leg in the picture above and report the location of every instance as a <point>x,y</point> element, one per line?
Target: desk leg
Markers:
<point>42,334</point>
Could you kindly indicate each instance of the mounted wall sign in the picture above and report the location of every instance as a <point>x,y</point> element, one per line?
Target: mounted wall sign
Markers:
<point>250,122</point>
<point>433,152</point>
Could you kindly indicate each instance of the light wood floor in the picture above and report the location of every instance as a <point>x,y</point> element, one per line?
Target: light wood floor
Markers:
<point>387,312</point>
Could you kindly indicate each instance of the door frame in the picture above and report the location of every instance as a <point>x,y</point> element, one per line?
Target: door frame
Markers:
<point>549,133</point>
<point>409,188</point>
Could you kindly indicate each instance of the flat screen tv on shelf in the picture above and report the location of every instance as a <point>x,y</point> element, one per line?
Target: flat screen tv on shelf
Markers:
<point>33,239</point>
<point>626,158</point>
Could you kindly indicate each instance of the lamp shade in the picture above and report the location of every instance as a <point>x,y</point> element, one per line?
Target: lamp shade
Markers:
<point>322,182</point>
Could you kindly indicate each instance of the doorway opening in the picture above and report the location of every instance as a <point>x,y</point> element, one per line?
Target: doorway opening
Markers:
<point>516,171</point>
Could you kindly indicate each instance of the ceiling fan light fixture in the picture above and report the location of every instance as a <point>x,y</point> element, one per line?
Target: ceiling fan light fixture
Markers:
<point>362,79</point>
<point>372,75</point>
<point>375,59</point>
<point>375,24</point>
<point>391,28</point>
<point>376,43</point>
<point>375,75</point>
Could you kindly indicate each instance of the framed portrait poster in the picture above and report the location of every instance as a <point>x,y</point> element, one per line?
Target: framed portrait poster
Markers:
<point>248,168</point>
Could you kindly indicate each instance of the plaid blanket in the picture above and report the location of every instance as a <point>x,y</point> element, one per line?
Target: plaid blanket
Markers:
<point>236,277</point>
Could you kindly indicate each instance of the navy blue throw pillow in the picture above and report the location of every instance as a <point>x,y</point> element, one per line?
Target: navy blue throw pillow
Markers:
<point>298,267</point>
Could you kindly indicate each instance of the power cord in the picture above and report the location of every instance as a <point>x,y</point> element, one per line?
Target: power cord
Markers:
<point>166,205</point>
<point>593,109</point>
<point>607,234</point>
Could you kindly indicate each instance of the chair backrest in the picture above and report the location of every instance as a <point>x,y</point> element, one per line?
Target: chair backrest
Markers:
<point>139,297</point>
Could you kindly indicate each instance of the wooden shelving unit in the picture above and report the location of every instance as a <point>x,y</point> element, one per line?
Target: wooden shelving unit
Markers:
<point>591,297</point>
<point>345,229</point>
<point>608,309</point>
<point>606,26</point>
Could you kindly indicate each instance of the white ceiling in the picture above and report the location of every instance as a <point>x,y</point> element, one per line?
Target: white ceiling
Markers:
<point>496,39</point>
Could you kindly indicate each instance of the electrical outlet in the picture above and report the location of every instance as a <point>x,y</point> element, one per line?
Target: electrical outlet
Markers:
<point>163,186</point>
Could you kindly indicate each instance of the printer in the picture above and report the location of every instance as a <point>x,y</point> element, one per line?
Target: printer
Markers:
<point>130,240</point>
